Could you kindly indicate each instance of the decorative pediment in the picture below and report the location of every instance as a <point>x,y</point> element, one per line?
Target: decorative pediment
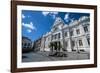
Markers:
<point>57,28</point>
<point>58,21</point>
<point>57,24</point>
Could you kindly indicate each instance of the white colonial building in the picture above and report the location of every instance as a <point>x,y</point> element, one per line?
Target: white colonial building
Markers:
<point>74,36</point>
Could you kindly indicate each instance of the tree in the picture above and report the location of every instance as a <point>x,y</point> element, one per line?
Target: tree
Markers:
<point>59,46</point>
<point>51,46</point>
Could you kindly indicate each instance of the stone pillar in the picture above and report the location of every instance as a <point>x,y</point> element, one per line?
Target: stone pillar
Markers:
<point>70,42</point>
<point>63,39</point>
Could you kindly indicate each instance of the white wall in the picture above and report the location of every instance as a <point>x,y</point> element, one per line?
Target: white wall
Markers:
<point>5,37</point>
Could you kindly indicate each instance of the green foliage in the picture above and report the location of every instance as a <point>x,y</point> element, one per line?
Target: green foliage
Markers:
<point>57,45</point>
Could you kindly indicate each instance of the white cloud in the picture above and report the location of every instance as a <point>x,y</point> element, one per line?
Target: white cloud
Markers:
<point>52,14</point>
<point>45,13</point>
<point>29,16</point>
<point>66,18</point>
<point>29,30</point>
<point>23,16</point>
<point>29,26</point>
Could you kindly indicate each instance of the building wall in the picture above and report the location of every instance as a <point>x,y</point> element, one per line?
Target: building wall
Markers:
<point>42,44</point>
<point>26,44</point>
<point>37,45</point>
<point>66,41</point>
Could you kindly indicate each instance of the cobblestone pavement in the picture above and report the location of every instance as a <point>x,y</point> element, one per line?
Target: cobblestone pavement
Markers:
<point>44,56</point>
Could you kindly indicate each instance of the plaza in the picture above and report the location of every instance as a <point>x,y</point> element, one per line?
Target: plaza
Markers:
<point>44,56</point>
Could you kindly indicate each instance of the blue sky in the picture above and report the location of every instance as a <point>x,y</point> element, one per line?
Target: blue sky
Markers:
<point>37,23</point>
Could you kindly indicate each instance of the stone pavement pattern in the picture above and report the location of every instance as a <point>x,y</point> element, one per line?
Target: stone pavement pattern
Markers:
<point>44,56</point>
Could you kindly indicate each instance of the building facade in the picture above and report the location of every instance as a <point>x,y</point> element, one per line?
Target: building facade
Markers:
<point>74,36</point>
<point>26,44</point>
<point>37,45</point>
